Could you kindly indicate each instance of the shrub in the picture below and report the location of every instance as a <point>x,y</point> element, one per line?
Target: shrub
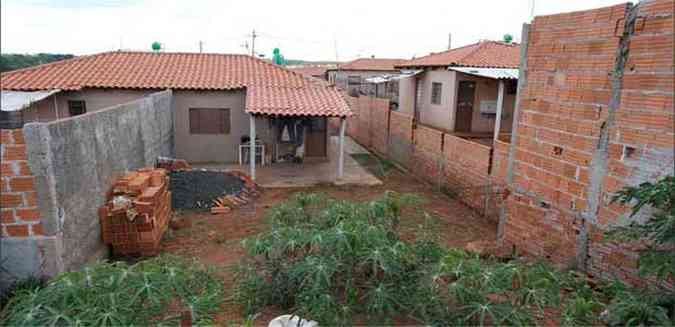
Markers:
<point>330,261</point>
<point>158,290</point>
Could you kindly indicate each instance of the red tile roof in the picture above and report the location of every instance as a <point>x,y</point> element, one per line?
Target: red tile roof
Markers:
<point>371,64</point>
<point>183,71</point>
<point>312,71</point>
<point>296,101</point>
<point>486,54</point>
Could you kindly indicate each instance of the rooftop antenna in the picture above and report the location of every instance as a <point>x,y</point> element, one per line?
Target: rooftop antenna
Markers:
<point>532,9</point>
<point>201,45</point>
<point>449,41</point>
<point>336,49</point>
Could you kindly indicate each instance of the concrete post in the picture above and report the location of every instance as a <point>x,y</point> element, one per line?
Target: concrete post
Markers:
<point>252,144</point>
<point>522,83</point>
<point>341,151</point>
<point>500,106</point>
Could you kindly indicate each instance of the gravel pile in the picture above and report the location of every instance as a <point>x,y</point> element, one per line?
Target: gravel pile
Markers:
<point>196,189</point>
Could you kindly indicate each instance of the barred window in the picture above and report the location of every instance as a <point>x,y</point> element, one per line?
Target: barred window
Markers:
<point>436,92</point>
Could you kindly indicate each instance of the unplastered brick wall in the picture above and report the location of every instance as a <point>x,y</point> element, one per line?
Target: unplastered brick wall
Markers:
<point>595,115</point>
<point>19,214</point>
<point>455,165</point>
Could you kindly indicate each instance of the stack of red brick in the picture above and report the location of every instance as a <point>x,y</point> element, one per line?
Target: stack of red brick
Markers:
<point>137,212</point>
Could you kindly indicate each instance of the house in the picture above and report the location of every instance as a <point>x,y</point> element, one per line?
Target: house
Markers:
<point>462,90</point>
<point>313,71</point>
<point>352,76</point>
<point>220,101</point>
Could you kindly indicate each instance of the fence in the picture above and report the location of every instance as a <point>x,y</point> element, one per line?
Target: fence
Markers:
<point>454,165</point>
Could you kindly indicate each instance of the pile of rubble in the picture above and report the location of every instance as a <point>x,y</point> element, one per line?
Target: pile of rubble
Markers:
<point>216,191</point>
<point>137,212</point>
<point>226,202</point>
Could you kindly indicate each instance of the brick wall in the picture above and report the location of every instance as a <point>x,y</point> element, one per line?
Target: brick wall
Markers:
<point>453,164</point>
<point>428,154</point>
<point>589,125</point>
<point>19,214</point>
<point>400,138</point>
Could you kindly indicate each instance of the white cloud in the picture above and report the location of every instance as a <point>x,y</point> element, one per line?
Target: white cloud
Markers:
<point>302,28</point>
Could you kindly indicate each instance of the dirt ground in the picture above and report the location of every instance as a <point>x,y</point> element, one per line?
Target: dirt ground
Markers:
<point>215,239</point>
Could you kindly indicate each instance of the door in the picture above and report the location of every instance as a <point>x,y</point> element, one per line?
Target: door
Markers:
<point>464,109</point>
<point>315,138</point>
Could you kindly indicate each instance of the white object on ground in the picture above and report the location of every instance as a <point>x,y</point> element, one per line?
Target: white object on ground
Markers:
<point>292,321</point>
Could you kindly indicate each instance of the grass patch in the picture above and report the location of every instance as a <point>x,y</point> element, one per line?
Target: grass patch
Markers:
<point>376,166</point>
<point>158,291</point>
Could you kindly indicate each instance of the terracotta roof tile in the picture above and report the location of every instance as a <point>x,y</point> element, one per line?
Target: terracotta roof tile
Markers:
<point>308,101</point>
<point>270,89</point>
<point>371,64</point>
<point>311,71</point>
<point>486,54</point>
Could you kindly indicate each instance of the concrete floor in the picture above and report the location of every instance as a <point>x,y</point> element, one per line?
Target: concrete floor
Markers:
<point>310,174</point>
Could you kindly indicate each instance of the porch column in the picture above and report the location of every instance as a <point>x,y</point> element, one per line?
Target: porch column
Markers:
<point>500,105</point>
<point>341,151</point>
<point>252,144</point>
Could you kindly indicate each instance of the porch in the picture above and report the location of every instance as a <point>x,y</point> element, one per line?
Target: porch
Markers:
<point>307,174</point>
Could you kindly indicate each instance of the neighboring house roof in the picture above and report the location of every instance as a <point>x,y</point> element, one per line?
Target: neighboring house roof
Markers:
<point>373,64</point>
<point>311,71</point>
<point>485,54</point>
<point>180,71</point>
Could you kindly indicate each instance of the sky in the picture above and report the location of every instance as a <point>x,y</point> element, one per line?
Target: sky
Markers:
<point>302,29</point>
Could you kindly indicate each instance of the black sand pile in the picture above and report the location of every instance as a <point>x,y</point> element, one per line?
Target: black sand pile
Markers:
<point>196,189</point>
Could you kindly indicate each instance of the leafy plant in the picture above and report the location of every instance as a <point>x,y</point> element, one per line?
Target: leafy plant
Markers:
<point>158,290</point>
<point>640,308</point>
<point>332,261</point>
<point>659,228</point>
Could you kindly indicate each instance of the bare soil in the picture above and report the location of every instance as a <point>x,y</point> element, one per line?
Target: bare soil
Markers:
<point>215,239</point>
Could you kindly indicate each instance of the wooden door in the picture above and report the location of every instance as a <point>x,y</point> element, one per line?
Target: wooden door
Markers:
<point>464,109</point>
<point>315,138</point>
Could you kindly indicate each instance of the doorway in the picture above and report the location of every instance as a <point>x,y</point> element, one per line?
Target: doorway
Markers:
<point>464,109</point>
<point>315,138</point>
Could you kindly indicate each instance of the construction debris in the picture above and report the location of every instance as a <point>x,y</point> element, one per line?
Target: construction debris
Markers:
<point>217,191</point>
<point>172,164</point>
<point>137,212</point>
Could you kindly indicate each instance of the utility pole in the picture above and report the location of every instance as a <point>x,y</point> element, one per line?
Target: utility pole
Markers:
<point>201,44</point>
<point>449,41</point>
<point>253,36</point>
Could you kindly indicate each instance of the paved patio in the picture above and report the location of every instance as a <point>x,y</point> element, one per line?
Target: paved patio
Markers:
<point>310,174</point>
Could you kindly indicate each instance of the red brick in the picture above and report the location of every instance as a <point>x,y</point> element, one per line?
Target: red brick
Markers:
<point>13,152</point>
<point>17,136</point>
<point>6,169</point>
<point>6,137</point>
<point>7,216</point>
<point>17,230</point>
<point>30,198</point>
<point>37,230</point>
<point>24,169</point>
<point>28,214</point>
<point>11,200</point>
<point>22,184</point>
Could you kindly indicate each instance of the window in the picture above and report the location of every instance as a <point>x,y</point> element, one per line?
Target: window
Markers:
<point>354,80</point>
<point>209,121</point>
<point>436,92</point>
<point>77,107</point>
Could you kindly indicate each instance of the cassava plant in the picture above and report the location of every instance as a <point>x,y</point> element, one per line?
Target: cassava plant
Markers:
<point>338,262</point>
<point>158,291</point>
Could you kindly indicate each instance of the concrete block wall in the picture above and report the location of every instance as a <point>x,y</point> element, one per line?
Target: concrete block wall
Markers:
<point>595,115</point>
<point>73,163</point>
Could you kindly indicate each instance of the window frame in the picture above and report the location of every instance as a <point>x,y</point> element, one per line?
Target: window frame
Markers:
<point>195,128</point>
<point>436,94</point>
<point>71,109</point>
